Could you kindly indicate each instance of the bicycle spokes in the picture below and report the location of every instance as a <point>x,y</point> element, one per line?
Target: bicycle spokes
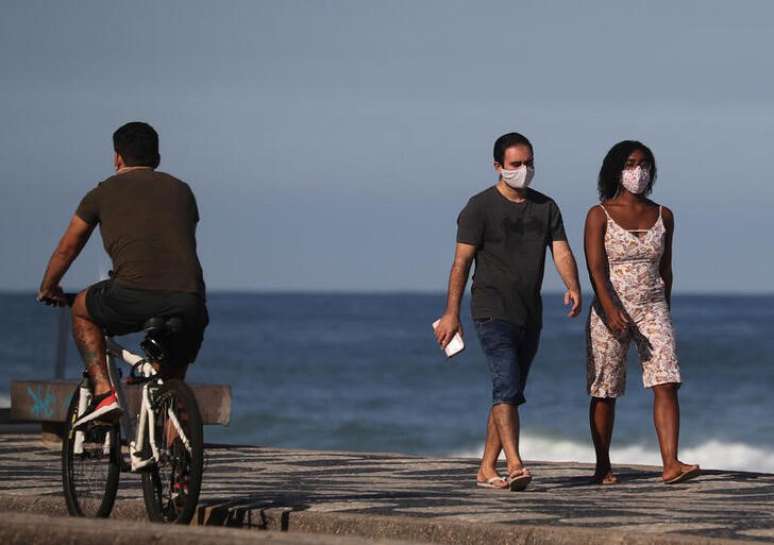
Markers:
<point>173,468</point>
<point>90,464</point>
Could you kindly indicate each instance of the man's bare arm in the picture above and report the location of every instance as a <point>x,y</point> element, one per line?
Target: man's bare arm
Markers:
<point>568,270</point>
<point>458,277</point>
<point>70,245</point>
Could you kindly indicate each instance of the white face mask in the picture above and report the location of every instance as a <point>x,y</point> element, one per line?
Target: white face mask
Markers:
<point>635,180</point>
<point>518,178</point>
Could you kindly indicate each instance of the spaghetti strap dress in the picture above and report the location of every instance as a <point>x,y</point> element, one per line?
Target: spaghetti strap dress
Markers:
<point>638,288</point>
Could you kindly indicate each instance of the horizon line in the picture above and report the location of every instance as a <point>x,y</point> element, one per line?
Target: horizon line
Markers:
<point>379,291</point>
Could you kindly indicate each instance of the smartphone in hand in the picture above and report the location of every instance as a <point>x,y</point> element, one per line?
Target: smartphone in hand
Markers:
<point>455,346</point>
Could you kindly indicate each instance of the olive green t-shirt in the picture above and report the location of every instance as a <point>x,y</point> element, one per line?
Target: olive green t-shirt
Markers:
<point>148,224</point>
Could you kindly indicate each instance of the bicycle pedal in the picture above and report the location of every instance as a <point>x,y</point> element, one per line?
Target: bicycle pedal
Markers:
<point>149,465</point>
<point>93,426</point>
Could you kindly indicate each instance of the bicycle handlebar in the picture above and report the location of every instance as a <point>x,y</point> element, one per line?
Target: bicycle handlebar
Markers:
<point>69,300</point>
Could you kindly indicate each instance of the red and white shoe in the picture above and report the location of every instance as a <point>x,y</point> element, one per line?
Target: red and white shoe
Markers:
<point>103,407</point>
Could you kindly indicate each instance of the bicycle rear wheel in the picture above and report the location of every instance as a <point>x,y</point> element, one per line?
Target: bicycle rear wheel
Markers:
<point>171,487</point>
<point>91,464</point>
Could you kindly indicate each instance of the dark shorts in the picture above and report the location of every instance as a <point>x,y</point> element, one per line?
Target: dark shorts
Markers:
<point>120,310</point>
<point>509,350</point>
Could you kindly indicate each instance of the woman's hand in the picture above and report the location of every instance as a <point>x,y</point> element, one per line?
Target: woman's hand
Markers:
<point>617,320</point>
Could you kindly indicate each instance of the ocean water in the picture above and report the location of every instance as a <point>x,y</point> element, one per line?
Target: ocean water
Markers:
<point>362,372</point>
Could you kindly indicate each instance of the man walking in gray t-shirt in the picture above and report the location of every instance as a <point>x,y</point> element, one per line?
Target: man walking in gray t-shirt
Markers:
<point>506,230</point>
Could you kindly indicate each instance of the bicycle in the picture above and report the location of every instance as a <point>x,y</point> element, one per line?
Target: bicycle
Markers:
<point>165,447</point>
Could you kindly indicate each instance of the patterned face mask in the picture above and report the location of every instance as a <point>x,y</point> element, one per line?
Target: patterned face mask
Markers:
<point>518,178</point>
<point>635,180</point>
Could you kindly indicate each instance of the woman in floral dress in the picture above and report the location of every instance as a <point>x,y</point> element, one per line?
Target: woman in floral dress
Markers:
<point>628,242</point>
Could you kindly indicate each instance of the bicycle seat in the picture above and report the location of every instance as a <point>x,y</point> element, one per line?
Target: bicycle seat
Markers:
<point>159,332</point>
<point>163,325</point>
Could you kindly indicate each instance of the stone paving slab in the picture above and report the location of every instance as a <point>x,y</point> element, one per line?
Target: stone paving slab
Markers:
<point>265,487</point>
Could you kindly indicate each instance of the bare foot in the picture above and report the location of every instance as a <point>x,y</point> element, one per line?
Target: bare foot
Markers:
<point>605,478</point>
<point>520,471</point>
<point>603,474</point>
<point>516,468</point>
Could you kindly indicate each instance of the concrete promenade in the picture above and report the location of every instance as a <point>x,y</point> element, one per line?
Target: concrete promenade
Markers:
<point>388,496</point>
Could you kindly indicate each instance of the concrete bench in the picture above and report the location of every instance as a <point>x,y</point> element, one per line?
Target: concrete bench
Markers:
<point>46,401</point>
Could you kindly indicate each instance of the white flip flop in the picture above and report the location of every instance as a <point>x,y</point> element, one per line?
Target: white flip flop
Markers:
<point>489,483</point>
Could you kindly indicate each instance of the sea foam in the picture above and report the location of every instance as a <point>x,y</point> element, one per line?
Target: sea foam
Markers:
<point>712,454</point>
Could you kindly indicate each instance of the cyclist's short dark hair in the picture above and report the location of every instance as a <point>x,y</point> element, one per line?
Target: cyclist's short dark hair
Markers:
<point>613,164</point>
<point>508,141</point>
<point>138,144</point>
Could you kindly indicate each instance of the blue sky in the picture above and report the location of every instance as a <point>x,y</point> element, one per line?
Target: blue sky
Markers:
<point>332,144</point>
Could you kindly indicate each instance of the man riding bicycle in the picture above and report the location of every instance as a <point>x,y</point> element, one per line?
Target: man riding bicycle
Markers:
<point>148,224</point>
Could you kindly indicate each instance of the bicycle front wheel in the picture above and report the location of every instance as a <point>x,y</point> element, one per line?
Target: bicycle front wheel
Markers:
<point>91,464</point>
<point>171,486</point>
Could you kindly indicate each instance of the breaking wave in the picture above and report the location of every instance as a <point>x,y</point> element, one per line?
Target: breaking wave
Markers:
<point>712,454</point>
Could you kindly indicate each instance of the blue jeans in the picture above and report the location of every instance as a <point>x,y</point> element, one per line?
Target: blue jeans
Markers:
<point>509,350</point>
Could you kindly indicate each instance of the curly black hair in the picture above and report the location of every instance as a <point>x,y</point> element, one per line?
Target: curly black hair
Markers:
<point>613,164</point>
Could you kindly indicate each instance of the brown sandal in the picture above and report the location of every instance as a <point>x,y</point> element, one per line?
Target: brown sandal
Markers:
<point>519,480</point>
<point>690,473</point>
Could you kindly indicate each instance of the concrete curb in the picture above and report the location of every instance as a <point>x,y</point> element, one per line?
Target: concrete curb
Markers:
<point>359,527</point>
<point>27,529</point>
<point>55,506</point>
<point>477,533</point>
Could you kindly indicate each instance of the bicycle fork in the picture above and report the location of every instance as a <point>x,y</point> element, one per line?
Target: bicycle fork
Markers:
<point>147,422</point>
<point>84,397</point>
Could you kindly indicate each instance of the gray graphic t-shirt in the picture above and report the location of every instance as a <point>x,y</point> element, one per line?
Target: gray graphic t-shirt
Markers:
<point>511,241</point>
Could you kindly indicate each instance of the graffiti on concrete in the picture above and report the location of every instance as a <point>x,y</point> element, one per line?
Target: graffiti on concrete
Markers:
<point>42,401</point>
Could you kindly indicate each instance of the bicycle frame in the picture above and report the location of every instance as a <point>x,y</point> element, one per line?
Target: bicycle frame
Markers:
<point>147,416</point>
